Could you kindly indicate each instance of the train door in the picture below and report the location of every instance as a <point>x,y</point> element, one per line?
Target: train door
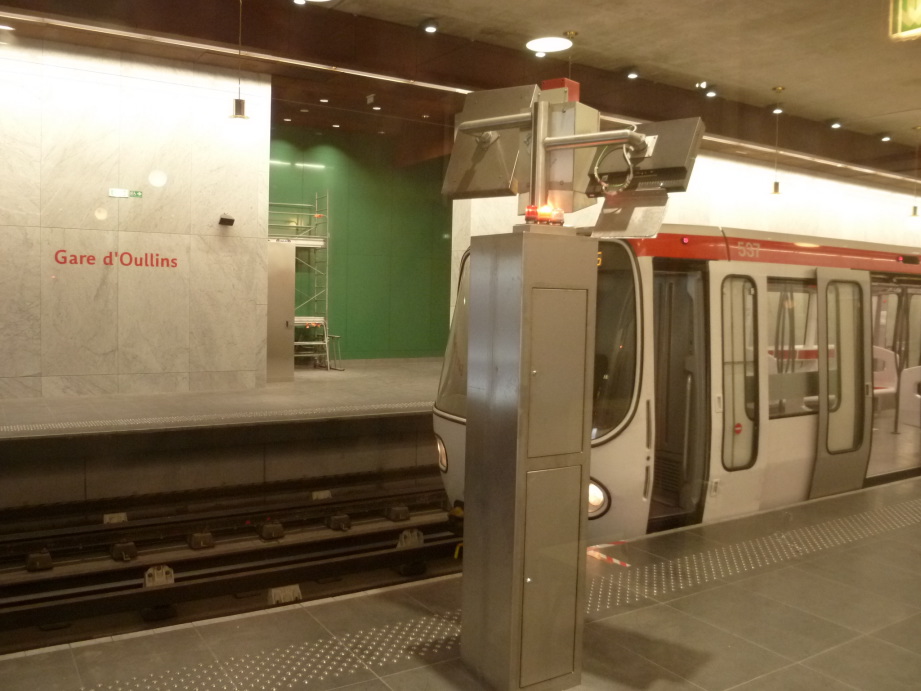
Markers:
<point>845,381</point>
<point>738,372</point>
<point>681,394</point>
<point>622,424</point>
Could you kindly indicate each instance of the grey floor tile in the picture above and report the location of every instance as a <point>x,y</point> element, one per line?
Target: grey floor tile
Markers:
<point>355,614</point>
<point>906,634</point>
<point>446,676</point>
<point>265,631</point>
<point>142,656</point>
<point>690,648</point>
<point>785,630</point>
<point>444,595</point>
<point>52,671</point>
<point>901,555</point>
<point>842,604</point>
<point>871,665</point>
<point>869,574</point>
<point>674,544</point>
<point>794,678</point>
<point>607,665</point>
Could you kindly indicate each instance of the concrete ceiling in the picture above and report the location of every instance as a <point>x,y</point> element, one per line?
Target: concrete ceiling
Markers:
<point>835,59</point>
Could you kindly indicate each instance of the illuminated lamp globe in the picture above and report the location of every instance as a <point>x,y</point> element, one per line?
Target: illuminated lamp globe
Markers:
<point>549,44</point>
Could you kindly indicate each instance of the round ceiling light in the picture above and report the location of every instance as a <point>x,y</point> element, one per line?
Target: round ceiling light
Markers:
<point>549,44</point>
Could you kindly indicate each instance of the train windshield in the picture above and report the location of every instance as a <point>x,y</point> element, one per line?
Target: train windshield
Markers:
<point>452,390</point>
<point>616,371</point>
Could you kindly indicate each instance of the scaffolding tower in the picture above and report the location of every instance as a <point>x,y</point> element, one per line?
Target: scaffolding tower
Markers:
<point>306,226</point>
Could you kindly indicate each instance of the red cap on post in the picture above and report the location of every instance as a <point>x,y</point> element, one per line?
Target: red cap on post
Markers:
<point>562,83</point>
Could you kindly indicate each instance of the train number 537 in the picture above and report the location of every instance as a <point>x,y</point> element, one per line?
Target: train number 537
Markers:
<point>748,250</point>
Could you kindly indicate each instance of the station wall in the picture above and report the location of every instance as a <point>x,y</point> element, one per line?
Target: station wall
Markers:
<point>144,294</point>
<point>390,238</point>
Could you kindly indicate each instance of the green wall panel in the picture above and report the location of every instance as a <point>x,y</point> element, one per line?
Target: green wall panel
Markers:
<point>390,239</point>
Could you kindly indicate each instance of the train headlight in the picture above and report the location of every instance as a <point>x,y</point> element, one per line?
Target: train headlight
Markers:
<point>599,499</point>
<point>442,454</point>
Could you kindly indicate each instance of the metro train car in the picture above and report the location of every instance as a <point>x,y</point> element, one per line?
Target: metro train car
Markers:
<point>735,371</point>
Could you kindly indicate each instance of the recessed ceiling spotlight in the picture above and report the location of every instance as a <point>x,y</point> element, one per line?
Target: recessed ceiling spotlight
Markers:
<point>549,44</point>
<point>375,107</point>
<point>429,26</point>
<point>304,110</point>
<point>701,85</point>
<point>426,116</point>
<point>834,123</point>
<point>300,2</point>
<point>287,119</point>
<point>632,73</point>
<point>540,54</point>
<point>324,100</point>
<point>885,137</point>
<point>776,108</point>
<point>335,125</point>
<point>710,91</point>
<point>5,27</point>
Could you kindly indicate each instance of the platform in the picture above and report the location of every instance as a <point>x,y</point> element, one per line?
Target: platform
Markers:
<point>365,386</point>
<point>824,595</point>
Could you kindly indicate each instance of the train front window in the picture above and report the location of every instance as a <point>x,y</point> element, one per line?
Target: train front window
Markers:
<point>452,389</point>
<point>616,365</point>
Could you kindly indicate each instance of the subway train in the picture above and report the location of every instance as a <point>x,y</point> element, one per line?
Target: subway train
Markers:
<point>735,371</point>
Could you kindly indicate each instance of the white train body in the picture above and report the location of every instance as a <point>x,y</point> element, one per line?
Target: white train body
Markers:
<point>735,371</point>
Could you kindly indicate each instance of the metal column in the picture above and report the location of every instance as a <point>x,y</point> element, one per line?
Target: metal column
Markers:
<point>532,325</point>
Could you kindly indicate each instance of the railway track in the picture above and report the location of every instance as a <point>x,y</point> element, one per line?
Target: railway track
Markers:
<point>168,550</point>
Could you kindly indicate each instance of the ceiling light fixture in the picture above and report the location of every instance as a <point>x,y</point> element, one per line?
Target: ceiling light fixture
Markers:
<point>885,137</point>
<point>540,54</point>
<point>834,123</point>
<point>550,44</point>
<point>239,105</point>
<point>710,91</point>
<point>375,107</point>
<point>300,2</point>
<point>429,26</point>
<point>6,27</point>
<point>632,73</point>
<point>777,111</point>
<point>324,100</point>
<point>776,108</point>
<point>917,129</point>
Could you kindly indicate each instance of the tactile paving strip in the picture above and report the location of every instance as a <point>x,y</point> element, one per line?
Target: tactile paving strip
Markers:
<point>314,663</point>
<point>215,417</point>
<point>632,585</point>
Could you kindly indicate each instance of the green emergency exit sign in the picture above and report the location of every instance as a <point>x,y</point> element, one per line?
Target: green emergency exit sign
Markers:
<point>906,19</point>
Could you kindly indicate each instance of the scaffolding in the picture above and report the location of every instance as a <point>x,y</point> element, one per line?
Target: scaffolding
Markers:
<point>306,226</point>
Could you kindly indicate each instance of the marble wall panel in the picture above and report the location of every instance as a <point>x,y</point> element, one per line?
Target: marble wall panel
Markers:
<point>153,303</point>
<point>155,154</point>
<point>230,165</point>
<point>259,354</point>
<point>86,385</point>
<point>20,134</point>
<point>222,381</point>
<point>79,153</point>
<point>228,275</point>
<point>71,61</point>
<point>20,308</point>
<point>169,382</point>
<point>79,303</point>
<point>20,387</point>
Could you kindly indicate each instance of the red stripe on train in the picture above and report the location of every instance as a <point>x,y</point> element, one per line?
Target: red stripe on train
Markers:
<point>713,247</point>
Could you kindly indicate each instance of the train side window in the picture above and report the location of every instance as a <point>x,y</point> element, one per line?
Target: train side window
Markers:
<point>845,367</point>
<point>740,374</point>
<point>616,373</point>
<point>885,309</point>
<point>452,389</point>
<point>792,349</point>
